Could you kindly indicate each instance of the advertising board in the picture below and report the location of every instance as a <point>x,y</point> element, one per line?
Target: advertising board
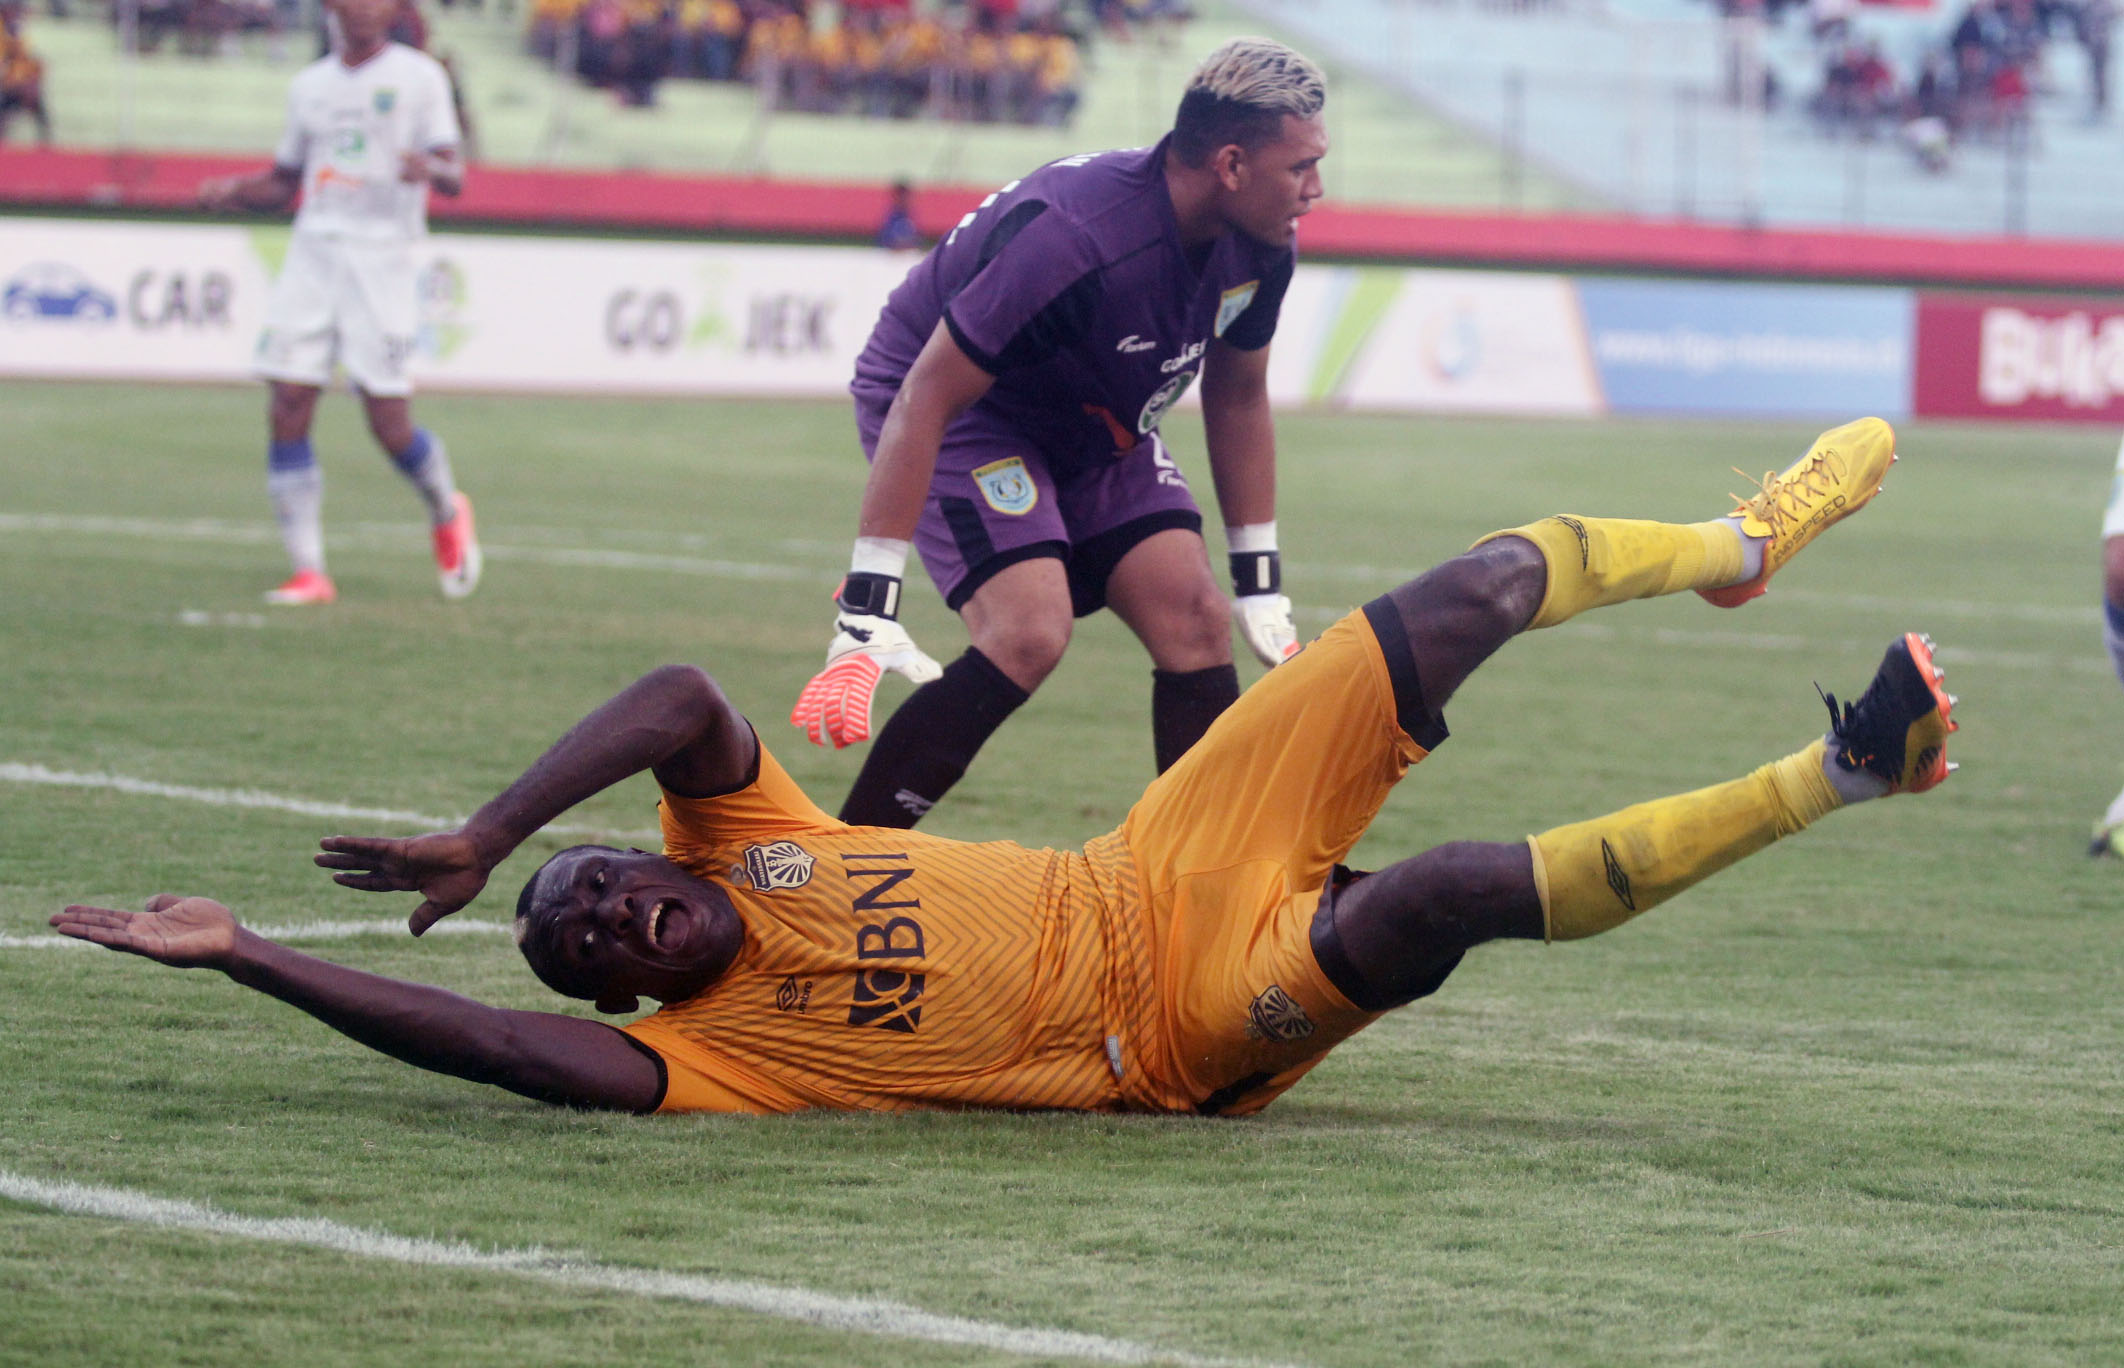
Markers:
<point>1463,341</point>
<point>2027,358</point>
<point>1747,349</point>
<point>164,302</point>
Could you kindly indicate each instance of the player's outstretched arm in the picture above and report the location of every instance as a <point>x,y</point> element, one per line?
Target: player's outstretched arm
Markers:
<point>270,191</point>
<point>868,640</point>
<point>441,167</point>
<point>673,721</point>
<point>542,1055</point>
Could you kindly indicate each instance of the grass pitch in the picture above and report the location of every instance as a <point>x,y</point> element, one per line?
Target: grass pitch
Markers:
<point>1857,1101</point>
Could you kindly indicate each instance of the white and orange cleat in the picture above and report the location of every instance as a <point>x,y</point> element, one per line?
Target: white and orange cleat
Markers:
<point>1840,472</point>
<point>302,588</point>
<point>457,556</point>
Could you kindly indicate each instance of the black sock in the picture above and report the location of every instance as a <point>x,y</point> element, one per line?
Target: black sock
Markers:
<point>1184,703</point>
<point>929,742</point>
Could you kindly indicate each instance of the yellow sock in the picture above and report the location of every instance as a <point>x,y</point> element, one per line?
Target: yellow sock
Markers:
<point>1597,561</point>
<point>1594,876</point>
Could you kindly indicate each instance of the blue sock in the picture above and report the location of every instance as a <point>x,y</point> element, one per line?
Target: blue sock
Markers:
<point>2113,634</point>
<point>425,463</point>
<point>415,457</point>
<point>295,455</point>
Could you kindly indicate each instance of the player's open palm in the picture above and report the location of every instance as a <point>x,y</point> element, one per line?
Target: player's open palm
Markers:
<point>186,933</point>
<point>835,705</point>
<point>444,867</point>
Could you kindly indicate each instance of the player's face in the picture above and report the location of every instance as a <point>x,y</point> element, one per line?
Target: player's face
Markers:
<point>622,923</point>
<point>1281,183</point>
<point>364,22</point>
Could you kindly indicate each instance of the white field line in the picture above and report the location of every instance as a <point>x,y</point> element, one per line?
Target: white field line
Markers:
<point>857,1315</point>
<point>17,772</point>
<point>295,933</point>
<point>383,534</point>
<point>391,534</point>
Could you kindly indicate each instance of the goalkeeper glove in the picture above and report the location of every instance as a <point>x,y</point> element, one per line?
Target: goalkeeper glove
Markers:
<point>1259,609</point>
<point>867,642</point>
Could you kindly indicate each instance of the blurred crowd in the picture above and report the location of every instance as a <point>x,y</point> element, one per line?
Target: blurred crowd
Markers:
<point>21,75</point>
<point>1976,86</point>
<point>983,61</point>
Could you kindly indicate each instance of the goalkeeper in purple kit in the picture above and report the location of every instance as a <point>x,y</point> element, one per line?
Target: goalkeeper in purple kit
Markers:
<point>1009,402</point>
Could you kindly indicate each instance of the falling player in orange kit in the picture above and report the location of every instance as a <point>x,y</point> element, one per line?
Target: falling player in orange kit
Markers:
<point>1202,957</point>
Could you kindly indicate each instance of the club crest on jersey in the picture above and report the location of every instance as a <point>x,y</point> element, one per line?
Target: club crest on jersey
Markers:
<point>785,864</point>
<point>1276,1015</point>
<point>1232,303</point>
<point>385,100</point>
<point>1007,486</point>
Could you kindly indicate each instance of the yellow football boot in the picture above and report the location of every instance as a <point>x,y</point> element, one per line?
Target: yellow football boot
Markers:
<point>1839,473</point>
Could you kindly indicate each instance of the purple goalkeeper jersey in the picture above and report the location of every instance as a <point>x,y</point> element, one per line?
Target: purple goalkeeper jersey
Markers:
<point>1071,287</point>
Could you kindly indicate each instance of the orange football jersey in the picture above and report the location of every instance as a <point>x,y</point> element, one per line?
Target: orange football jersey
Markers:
<point>884,969</point>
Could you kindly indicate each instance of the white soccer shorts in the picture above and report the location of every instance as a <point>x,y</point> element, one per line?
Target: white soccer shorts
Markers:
<point>354,303</point>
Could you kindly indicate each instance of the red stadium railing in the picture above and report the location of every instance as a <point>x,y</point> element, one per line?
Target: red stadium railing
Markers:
<point>743,207</point>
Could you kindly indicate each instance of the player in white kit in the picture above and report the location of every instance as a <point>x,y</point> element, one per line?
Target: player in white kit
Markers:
<point>2109,827</point>
<point>369,129</point>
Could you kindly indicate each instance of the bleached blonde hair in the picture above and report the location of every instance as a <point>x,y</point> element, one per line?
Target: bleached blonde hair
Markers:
<point>1241,93</point>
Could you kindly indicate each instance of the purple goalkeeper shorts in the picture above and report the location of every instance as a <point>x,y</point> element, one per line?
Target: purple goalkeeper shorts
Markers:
<point>993,502</point>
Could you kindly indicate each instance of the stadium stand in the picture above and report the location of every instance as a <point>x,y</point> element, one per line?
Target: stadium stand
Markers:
<point>992,63</point>
<point>1387,150</point>
<point>21,75</point>
<point>1632,100</point>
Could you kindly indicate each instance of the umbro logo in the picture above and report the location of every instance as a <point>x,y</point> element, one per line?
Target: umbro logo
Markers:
<point>785,864</point>
<point>1132,344</point>
<point>1585,543</point>
<point>793,995</point>
<point>1618,878</point>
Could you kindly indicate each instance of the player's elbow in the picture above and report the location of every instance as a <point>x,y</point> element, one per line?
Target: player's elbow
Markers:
<point>687,696</point>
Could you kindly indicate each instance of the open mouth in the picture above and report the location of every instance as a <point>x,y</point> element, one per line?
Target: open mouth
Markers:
<point>666,931</point>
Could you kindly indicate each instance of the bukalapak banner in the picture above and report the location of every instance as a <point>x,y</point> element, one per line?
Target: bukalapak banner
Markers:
<point>2043,358</point>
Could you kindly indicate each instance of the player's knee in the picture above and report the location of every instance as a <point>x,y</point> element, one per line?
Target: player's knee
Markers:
<point>1490,592</point>
<point>1025,648</point>
<point>1447,899</point>
<point>289,410</point>
<point>2113,570</point>
<point>1196,634</point>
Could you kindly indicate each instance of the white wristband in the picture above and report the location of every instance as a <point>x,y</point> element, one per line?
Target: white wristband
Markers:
<point>879,556</point>
<point>1252,537</point>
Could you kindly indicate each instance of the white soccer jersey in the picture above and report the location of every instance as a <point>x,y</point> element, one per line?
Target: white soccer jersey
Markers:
<point>348,131</point>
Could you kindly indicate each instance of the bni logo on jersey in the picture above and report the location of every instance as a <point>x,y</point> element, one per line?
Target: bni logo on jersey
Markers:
<point>783,865</point>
